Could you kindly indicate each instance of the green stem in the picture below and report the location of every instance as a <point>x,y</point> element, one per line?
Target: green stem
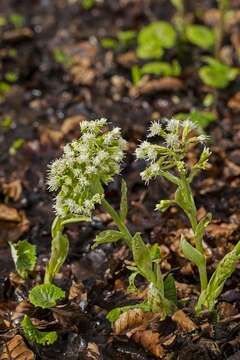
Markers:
<point>191,212</point>
<point>118,221</point>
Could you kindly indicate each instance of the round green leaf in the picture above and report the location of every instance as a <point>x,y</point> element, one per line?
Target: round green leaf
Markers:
<point>200,35</point>
<point>46,295</point>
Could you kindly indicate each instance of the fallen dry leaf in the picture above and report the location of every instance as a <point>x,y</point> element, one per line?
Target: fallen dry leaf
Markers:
<point>127,59</point>
<point>8,213</point>
<point>93,352</point>
<point>77,292</point>
<point>71,123</point>
<point>17,34</point>
<point>150,340</point>
<point>184,321</point>
<point>221,230</point>
<point>16,349</point>
<point>154,86</point>
<point>234,102</point>
<point>129,319</point>
<point>12,230</point>
<point>13,189</point>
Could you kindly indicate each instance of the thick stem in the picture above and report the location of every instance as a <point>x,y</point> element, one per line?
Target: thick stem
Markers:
<point>122,227</point>
<point>191,213</point>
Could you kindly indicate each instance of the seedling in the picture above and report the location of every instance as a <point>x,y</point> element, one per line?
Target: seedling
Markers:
<point>124,40</point>
<point>35,336</point>
<point>169,161</point>
<point>201,36</point>
<point>217,74</point>
<point>154,38</point>
<point>88,4</point>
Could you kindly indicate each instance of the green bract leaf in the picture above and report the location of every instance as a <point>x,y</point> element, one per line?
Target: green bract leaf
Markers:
<point>155,252</point>
<point>132,287</point>
<point>191,253</point>
<point>142,258</point>
<point>24,257</point>
<point>162,68</point>
<point>46,295</point>
<point>217,74</point>
<point>201,227</point>
<point>170,291</point>
<point>200,35</point>
<point>164,205</point>
<point>35,336</point>
<point>106,237</point>
<point>124,202</point>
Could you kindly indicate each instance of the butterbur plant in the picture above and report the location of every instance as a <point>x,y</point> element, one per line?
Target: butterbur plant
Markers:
<point>168,160</point>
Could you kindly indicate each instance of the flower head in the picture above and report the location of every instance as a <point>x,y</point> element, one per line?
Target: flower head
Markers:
<point>86,164</point>
<point>176,138</point>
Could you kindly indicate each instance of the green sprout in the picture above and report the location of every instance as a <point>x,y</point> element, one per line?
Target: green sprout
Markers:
<point>201,36</point>
<point>154,38</point>
<point>217,74</point>
<point>169,161</point>
<point>34,335</point>
<point>17,20</point>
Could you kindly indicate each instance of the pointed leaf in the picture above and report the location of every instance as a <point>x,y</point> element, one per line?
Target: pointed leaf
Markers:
<point>106,237</point>
<point>170,291</point>
<point>46,295</point>
<point>124,202</point>
<point>24,257</point>
<point>35,336</point>
<point>142,257</point>
<point>203,223</point>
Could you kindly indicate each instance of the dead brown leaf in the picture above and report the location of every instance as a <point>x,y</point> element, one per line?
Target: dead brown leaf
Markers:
<point>17,34</point>
<point>234,102</point>
<point>48,136</point>
<point>16,349</point>
<point>127,59</point>
<point>153,86</point>
<point>221,230</point>
<point>130,319</point>
<point>12,230</point>
<point>150,340</point>
<point>77,292</point>
<point>93,352</point>
<point>71,123</point>
<point>8,213</point>
<point>13,189</point>
<point>184,321</point>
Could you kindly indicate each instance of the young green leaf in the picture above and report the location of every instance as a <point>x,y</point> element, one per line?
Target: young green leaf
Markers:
<point>162,68</point>
<point>164,205</point>
<point>161,32</point>
<point>191,253</point>
<point>217,74</point>
<point>24,257</point>
<point>136,74</point>
<point>150,50</point>
<point>200,35</point>
<point>124,201</point>
<point>46,295</point>
<point>126,37</point>
<point>170,291</point>
<point>142,258</point>
<point>106,237</point>
<point>179,5</point>
<point>33,335</point>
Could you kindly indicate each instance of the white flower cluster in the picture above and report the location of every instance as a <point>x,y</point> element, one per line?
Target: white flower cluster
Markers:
<point>86,164</point>
<point>177,136</point>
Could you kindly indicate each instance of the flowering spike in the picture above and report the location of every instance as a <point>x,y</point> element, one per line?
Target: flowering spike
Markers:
<point>86,164</point>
